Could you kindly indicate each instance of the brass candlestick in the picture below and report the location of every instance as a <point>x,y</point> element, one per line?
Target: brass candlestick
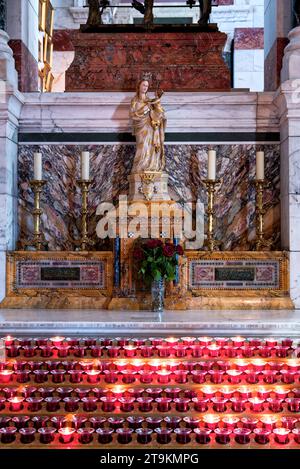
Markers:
<point>210,242</point>
<point>38,240</point>
<point>261,242</point>
<point>84,241</point>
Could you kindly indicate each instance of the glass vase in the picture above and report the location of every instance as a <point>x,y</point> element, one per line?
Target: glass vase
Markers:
<point>157,293</point>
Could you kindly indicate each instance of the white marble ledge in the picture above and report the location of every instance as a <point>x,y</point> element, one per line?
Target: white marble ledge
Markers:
<point>235,111</point>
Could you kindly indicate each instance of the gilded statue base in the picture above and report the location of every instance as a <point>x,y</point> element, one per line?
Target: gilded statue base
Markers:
<point>149,185</point>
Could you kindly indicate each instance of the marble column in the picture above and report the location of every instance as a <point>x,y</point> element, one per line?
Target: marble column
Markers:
<point>287,101</point>
<point>10,108</point>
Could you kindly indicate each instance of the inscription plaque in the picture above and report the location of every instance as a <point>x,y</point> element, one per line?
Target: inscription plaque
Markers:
<point>235,274</point>
<point>60,274</point>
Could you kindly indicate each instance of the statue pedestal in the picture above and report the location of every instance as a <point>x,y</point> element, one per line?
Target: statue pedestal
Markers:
<point>179,57</point>
<point>149,185</point>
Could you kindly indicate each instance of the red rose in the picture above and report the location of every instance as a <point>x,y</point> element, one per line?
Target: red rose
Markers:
<point>179,250</point>
<point>168,250</point>
<point>138,254</point>
<point>154,243</point>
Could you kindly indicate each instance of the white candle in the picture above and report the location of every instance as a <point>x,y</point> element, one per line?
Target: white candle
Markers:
<point>85,165</point>
<point>211,164</point>
<point>37,166</point>
<point>260,165</point>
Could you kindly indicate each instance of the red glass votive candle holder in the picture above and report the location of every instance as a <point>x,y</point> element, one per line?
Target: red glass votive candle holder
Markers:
<point>46,392</point>
<point>287,342</point>
<point>2,403</point>
<point>252,377</point>
<point>126,404</point>
<point>234,376</point>
<point>241,365</point>
<point>90,404</point>
<point>108,403</point>
<point>238,404</point>
<point>163,351</point>
<point>79,351</point>
<point>135,421</point>
<point>296,433</point>
<point>39,421</point>
<point>10,392</point>
<point>181,376</point>
<point>202,435</point>
<point>173,393</point>
<point>8,340</point>
<point>66,434</point>
<point>163,376</point>
<point>216,376</point>
<point>214,350</point>
<point>208,392</point>
<point>64,392</point>
<point>275,405</point>
<point>183,435</point>
<point>29,351</point>
<point>110,377</point>
<point>154,365</point>
<point>21,421</point>
<point>28,391</point>
<point>289,422</point>
<point>63,350</point>
<point>128,376</point>
<point>137,365</point>
<point>145,376</point>
<point>13,351</point>
<point>230,422</point>
<point>27,435</point>
<point>151,392</point>
<point>85,435</point>
<point>146,351</point>
<point>52,404</point>
<point>258,365</point>
<point>16,403</point>
<point>219,404</point>
<point>270,376</point>
<point>71,404</point>
<point>257,405</point>
<point>293,365</point>
<point>144,435</point>
<point>96,351</point>
<point>172,421</point>
<point>211,421</point>
<point>182,404</point>
<point>69,365</point>
<point>105,435</point>
<point>192,422</point>
<point>113,351</point>
<point>281,435</point>
<point>249,422</point>
<point>58,421</point>
<point>139,341</point>
<point>145,404</point>
<point>75,376</point>
<point>8,434</point>
<point>242,435</point>
<point>221,341</point>
<point>153,422</point>
<point>40,376</point>
<point>46,434</point>
<point>4,421</point>
<point>244,392</point>
<point>163,404</point>
<point>46,351</point>
<point>34,404</point>
<point>6,376</point>
<point>200,404</point>
<point>268,422</point>
<point>106,341</point>
<point>238,341</point>
<point>263,393</point>
<point>124,435</point>
<point>198,376</point>
<point>287,376</point>
<point>97,422</point>
<point>265,351</point>
<point>230,351</point>
<point>282,351</point>
<point>163,435</point>
<point>58,376</point>
<point>262,436</point>
<point>187,365</point>
<point>188,340</point>
<point>293,404</point>
<point>197,350</point>
<point>57,340</point>
<point>122,341</point>
<point>130,351</point>
<point>223,365</point>
<point>247,351</point>
<point>93,376</point>
<point>205,341</point>
<point>119,391</point>
<point>223,435</point>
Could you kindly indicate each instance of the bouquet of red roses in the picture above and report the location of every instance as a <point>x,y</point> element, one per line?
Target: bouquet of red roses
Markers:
<point>157,260</point>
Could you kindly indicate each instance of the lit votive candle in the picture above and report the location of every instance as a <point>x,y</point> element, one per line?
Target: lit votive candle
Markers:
<point>293,404</point>
<point>8,340</point>
<point>121,364</point>
<point>7,434</point>
<point>205,341</point>
<point>47,434</point>
<point>188,340</point>
<point>230,422</point>
<point>249,422</point>
<point>262,436</point>
<point>154,365</point>
<point>281,435</point>
<point>238,341</point>
<point>211,421</point>
<point>219,404</point>
<point>200,404</point>
<point>93,376</point>
<point>263,393</point>
<point>137,365</point>
<point>242,435</point>
<point>223,435</point>
<point>85,435</point>
<point>202,435</point>
<point>146,376</point>
<point>183,435</point>
<point>6,376</point>
<point>269,422</point>
<point>244,392</point>
<point>144,435</point>
<point>214,350</point>
<point>163,376</point>
<point>281,393</point>
<point>66,434</point>
<point>130,351</point>
<point>16,403</point>
<point>171,340</point>
<point>270,341</point>
<point>208,392</point>
<point>258,365</point>
<point>293,365</point>
<point>241,365</point>
<point>257,405</point>
<point>221,341</point>
<point>288,422</point>
<point>118,391</point>
<point>296,433</point>
<point>57,340</point>
<point>234,376</point>
<point>238,404</point>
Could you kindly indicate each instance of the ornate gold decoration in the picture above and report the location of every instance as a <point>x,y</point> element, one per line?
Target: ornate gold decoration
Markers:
<point>38,240</point>
<point>147,188</point>
<point>84,241</point>
<point>210,242</point>
<point>261,243</point>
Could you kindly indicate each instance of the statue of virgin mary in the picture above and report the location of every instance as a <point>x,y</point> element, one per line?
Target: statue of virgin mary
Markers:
<point>149,124</point>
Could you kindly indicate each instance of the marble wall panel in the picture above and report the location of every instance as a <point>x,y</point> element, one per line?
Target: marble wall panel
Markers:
<point>186,166</point>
